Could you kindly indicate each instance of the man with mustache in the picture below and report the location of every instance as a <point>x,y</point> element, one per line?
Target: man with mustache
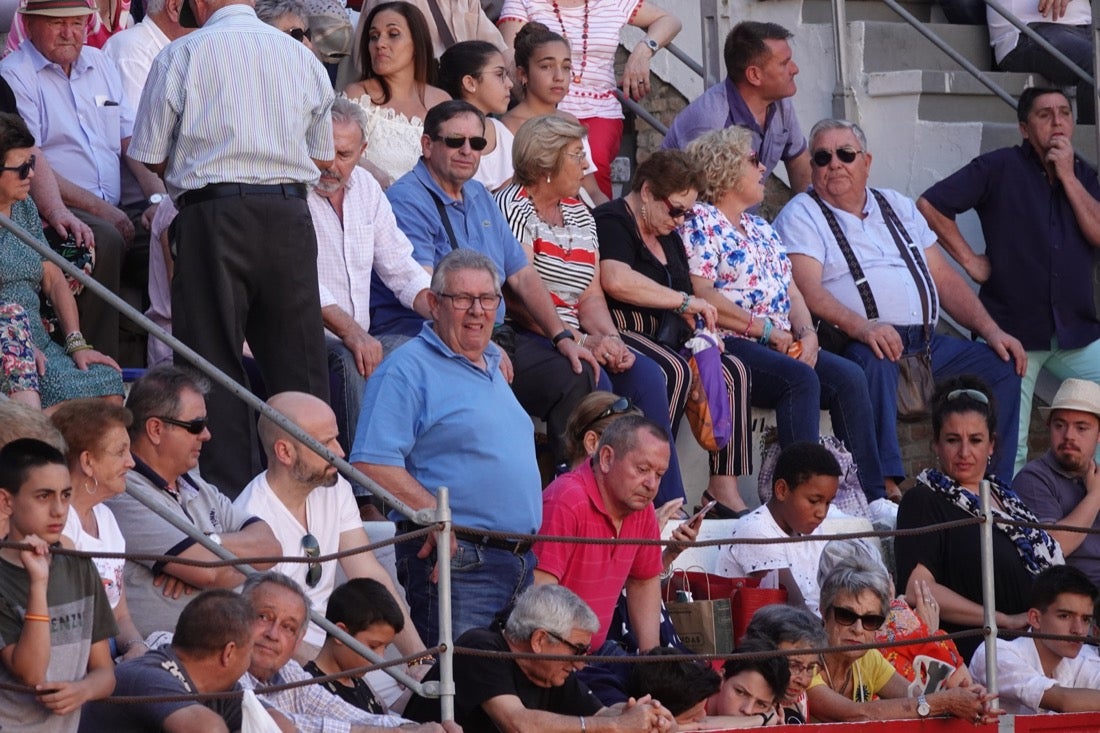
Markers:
<point>1063,486</point>
<point>357,235</point>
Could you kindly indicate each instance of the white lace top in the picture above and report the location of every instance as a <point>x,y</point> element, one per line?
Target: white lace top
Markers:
<point>393,140</point>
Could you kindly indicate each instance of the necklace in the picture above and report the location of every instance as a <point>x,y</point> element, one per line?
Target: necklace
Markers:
<point>829,677</point>
<point>584,37</point>
<point>548,222</point>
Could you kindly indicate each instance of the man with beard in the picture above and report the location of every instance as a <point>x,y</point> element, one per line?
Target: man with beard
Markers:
<point>1063,486</point>
<point>311,510</point>
<point>357,235</point>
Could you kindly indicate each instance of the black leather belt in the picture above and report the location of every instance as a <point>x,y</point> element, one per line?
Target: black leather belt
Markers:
<point>227,190</point>
<point>516,547</point>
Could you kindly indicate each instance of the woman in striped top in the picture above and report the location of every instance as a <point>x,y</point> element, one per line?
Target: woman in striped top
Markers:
<point>559,235</point>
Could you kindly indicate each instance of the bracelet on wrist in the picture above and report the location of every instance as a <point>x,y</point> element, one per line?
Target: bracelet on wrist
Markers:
<point>748,328</point>
<point>583,339</point>
<point>683,305</point>
<point>767,332</point>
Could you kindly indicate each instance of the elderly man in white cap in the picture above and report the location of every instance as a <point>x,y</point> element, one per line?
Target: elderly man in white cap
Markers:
<point>1063,486</point>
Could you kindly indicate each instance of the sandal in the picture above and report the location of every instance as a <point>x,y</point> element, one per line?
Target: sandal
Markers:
<point>719,510</point>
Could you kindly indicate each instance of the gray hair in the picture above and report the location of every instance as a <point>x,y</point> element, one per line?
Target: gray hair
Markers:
<point>540,145</point>
<point>23,421</point>
<point>462,259</point>
<point>255,580</point>
<point>781,623</point>
<point>346,111</point>
<point>853,577</point>
<point>858,551</point>
<point>551,607</point>
<point>826,125</point>
<point>270,11</point>
<point>157,393</point>
<point>622,433</point>
<point>153,7</point>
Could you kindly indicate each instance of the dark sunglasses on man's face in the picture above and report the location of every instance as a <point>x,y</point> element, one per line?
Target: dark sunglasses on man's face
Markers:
<point>822,158</point>
<point>454,142</point>
<point>299,33</point>
<point>194,427</point>
<point>23,171</point>
<point>848,617</point>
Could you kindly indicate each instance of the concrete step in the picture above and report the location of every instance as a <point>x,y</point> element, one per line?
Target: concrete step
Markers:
<point>898,46</point>
<point>952,96</point>
<point>821,11</point>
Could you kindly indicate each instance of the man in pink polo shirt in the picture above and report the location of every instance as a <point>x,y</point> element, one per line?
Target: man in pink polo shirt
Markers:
<point>610,496</point>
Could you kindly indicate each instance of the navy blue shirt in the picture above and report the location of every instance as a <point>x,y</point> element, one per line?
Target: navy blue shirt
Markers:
<point>1041,281</point>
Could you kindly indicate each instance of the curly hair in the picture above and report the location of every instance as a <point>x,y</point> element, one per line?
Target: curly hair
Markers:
<point>723,157</point>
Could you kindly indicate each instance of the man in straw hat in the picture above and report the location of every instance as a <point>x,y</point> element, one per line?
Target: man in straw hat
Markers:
<point>1063,486</point>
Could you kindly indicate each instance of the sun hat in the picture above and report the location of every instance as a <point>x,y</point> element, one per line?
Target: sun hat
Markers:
<point>1075,394</point>
<point>58,8</point>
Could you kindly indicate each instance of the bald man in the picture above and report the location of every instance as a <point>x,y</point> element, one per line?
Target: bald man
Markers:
<point>311,509</point>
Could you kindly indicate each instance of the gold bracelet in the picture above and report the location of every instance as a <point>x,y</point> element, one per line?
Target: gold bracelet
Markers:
<point>35,617</point>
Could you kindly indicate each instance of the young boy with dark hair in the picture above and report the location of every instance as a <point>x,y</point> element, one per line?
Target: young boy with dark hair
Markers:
<point>805,482</point>
<point>751,687</point>
<point>1050,675</point>
<point>55,621</point>
<point>365,609</point>
<point>681,686</point>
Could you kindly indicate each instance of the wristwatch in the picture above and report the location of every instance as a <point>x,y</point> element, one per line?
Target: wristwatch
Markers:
<point>923,708</point>
<point>566,334</point>
<point>156,198</point>
<point>651,44</point>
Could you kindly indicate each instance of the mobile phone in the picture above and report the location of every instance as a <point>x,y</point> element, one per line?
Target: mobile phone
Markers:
<point>698,516</point>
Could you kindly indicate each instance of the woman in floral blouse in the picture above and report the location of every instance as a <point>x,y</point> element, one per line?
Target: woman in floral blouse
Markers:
<point>739,265</point>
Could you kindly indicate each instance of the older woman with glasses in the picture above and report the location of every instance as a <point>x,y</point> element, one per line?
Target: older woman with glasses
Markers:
<point>791,628</point>
<point>739,265</point>
<point>558,234</point>
<point>860,684</point>
<point>949,562</point>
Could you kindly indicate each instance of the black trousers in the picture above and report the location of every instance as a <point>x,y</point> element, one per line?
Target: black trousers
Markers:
<point>246,268</point>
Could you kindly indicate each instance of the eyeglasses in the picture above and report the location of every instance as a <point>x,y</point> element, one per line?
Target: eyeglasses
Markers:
<point>312,548</point>
<point>577,155</point>
<point>822,158</point>
<point>463,302</point>
<point>799,669</point>
<point>580,650</point>
<point>673,210</point>
<point>195,427</point>
<point>620,406</point>
<point>23,171</point>
<point>300,33</point>
<point>848,617</point>
<point>454,142</point>
<point>973,394</point>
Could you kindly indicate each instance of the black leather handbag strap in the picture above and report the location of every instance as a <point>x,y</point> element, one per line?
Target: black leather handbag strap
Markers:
<point>442,209</point>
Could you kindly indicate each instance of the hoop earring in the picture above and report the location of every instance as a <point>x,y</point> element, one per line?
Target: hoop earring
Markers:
<point>95,486</point>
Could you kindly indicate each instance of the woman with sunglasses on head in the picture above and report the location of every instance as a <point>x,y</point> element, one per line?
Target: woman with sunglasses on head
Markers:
<point>558,234</point>
<point>860,684</point>
<point>395,90</point>
<point>64,372</point>
<point>949,561</point>
<point>739,265</point>
<point>99,458</point>
<point>543,66</point>
<point>645,278</point>
<point>475,71</point>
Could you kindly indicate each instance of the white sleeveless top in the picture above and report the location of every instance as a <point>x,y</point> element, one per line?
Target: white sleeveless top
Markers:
<point>393,140</point>
<point>110,540</point>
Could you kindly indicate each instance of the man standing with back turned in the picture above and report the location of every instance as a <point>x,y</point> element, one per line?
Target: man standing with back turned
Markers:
<point>236,118</point>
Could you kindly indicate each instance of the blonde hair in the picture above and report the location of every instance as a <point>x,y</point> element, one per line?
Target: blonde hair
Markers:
<point>539,144</point>
<point>721,155</point>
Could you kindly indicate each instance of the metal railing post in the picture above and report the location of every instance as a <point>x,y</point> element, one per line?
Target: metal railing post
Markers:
<point>446,657</point>
<point>843,97</point>
<point>988,588</point>
<point>1096,75</point>
<point>713,72</point>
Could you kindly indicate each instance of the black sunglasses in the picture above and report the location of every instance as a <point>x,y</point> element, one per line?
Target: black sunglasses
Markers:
<point>24,171</point>
<point>674,211</point>
<point>194,427</point>
<point>580,650</point>
<point>312,548</point>
<point>454,142</point>
<point>848,617</point>
<point>618,407</point>
<point>822,158</point>
<point>299,33</point>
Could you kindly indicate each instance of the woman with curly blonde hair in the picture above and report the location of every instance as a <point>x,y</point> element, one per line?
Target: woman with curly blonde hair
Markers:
<point>739,265</point>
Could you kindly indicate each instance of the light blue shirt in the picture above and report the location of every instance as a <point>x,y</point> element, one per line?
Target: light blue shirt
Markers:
<point>79,120</point>
<point>449,422</point>
<point>236,101</point>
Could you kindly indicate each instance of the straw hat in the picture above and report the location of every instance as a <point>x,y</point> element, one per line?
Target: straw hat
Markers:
<point>1075,394</point>
<point>58,8</point>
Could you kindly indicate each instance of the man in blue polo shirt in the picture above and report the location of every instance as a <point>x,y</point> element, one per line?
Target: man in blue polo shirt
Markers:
<point>1040,216</point>
<point>440,207</point>
<point>756,94</point>
<point>439,412</point>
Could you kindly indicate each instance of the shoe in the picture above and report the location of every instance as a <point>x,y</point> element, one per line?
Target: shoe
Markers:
<point>719,510</point>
